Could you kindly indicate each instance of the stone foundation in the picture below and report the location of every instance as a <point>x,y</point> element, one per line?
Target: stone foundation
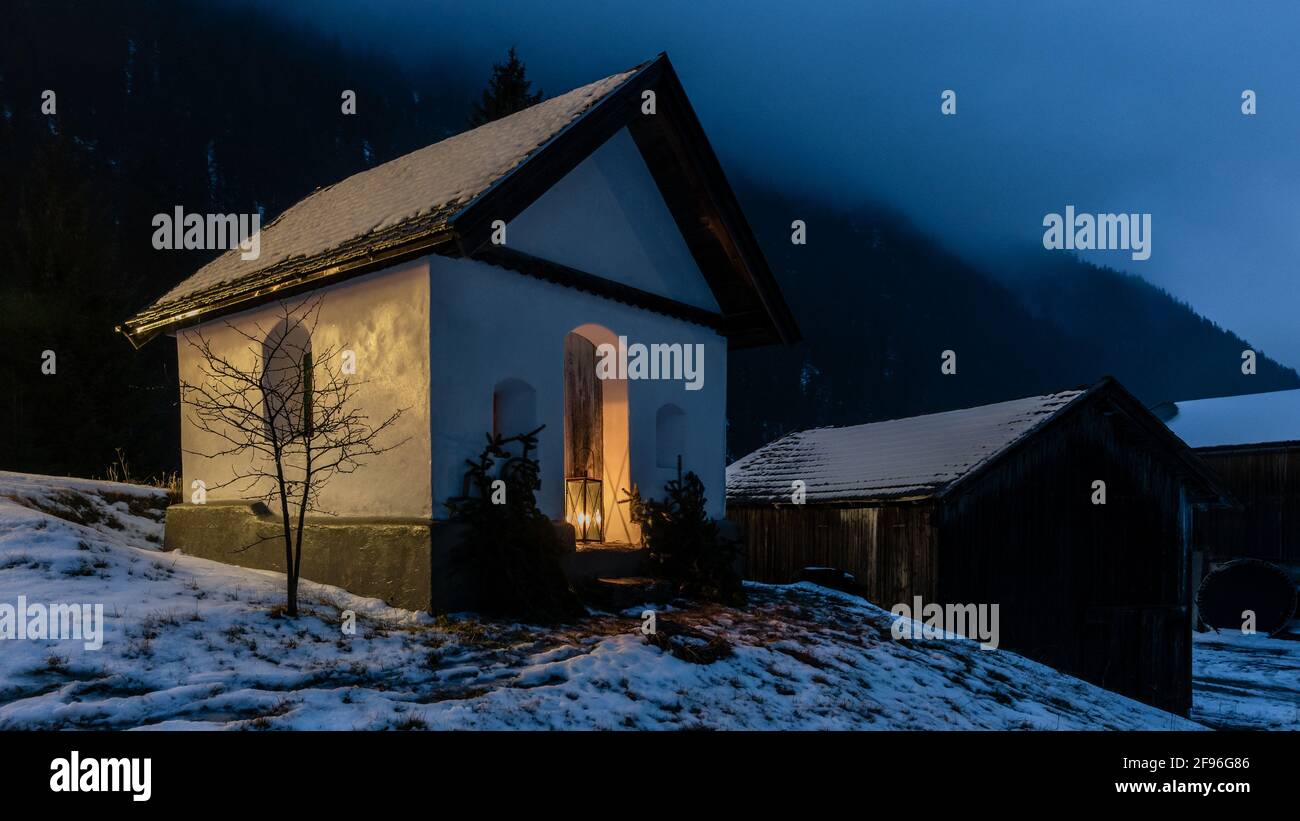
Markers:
<point>416,564</point>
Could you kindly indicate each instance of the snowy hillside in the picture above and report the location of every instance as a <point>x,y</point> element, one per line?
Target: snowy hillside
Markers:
<point>1247,682</point>
<point>191,643</point>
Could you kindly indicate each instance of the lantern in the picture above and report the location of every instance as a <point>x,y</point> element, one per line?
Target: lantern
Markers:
<point>582,501</point>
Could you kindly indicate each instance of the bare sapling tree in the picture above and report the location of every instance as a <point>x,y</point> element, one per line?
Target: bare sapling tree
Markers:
<point>286,415</point>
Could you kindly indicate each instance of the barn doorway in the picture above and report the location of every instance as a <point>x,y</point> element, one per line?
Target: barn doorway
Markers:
<point>596,449</point>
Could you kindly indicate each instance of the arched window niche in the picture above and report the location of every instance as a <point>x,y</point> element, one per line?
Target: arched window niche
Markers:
<point>514,408</point>
<point>670,435</point>
<point>286,380</point>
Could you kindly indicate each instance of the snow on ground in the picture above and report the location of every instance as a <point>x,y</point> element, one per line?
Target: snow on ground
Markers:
<point>1247,682</point>
<point>195,644</point>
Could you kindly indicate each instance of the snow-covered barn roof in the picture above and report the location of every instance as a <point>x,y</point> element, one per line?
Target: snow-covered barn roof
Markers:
<point>1251,419</point>
<point>444,197</point>
<point>913,457</point>
<point>925,456</point>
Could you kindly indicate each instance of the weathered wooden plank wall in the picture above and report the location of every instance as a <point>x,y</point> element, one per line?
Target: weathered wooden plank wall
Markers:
<point>1028,537</point>
<point>1098,590</point>
<point>889,549</point>
<point>1267,483</point>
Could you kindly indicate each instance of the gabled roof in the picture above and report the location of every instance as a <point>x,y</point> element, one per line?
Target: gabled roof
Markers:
<point>1271,418</point>
<point>444,197</point>
<point>913,457</point>
<point>926,456</point>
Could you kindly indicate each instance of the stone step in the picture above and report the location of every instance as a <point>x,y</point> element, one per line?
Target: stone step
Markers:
<point>621,592</point>
<point>604,561</point>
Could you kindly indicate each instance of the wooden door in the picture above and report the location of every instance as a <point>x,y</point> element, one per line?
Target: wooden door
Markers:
<point>584,440</point>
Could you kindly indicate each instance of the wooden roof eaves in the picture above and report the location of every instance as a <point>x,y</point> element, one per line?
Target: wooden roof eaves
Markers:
<point>287,279</point>
<point>856,502</point>
<point>737,226</point>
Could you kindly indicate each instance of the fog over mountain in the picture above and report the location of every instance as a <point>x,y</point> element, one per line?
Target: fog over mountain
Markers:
<point>880,301</point>
<point>913,247</point>
<point>1109,106</point>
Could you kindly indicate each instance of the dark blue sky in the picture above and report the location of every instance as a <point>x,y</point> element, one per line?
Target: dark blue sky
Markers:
<point>1108,106</point>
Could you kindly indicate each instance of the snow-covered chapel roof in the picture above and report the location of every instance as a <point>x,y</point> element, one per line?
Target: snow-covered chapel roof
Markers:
<point>444,197</point>
<point>1252,419</point>
<point>429,184</point>
<point>418,192</point>
<point>914,457</point>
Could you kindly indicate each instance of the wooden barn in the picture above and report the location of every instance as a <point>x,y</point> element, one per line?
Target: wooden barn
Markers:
<point>1253,443</point>
<point>999,505</point>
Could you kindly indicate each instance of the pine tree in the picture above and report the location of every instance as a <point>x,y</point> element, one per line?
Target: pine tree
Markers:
<point>507,92</point>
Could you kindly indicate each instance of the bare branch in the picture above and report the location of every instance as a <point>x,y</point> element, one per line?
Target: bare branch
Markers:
<point>290,410</point>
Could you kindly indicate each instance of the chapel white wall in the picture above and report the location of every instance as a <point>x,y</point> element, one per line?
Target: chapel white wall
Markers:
<point>607,217</point>
<point>438,335</point>
<point>384,318</point>
<point>489,324</point>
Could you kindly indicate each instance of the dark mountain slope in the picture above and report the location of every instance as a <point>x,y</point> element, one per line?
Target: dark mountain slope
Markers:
<point>216,107</point>
<point>878,304</point>
<point>1148,339</point>
<point>210,107</point>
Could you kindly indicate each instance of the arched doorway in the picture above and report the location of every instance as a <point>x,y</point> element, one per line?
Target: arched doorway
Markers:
<point>670,435</point>
<point>596,441</point>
